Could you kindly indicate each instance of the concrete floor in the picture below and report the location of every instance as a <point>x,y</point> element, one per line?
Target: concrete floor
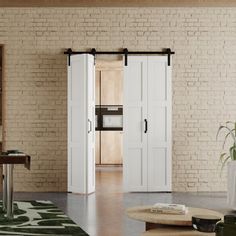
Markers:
<point>102,213</point>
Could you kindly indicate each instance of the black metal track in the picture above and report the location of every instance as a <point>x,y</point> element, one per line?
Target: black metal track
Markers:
<point>124,52</point>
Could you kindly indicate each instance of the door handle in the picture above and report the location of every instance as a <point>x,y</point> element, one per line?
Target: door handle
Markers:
<point>90,126</point>
<point>145,126</point>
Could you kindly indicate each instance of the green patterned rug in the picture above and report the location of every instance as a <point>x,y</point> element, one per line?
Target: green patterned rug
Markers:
<point>38,218</point>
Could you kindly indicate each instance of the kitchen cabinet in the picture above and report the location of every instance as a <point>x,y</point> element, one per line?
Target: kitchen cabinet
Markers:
<point>112,87</point>
<point>97,87</point>
<point>111,147</point>
<point>97,147</point>
<point>109,91</point>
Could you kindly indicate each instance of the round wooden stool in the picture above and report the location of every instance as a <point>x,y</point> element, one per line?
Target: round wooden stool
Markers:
<point>175,231</point>
<point>153,220</point>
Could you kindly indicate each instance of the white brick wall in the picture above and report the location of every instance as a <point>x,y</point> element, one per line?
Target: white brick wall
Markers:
<point>204,82</point>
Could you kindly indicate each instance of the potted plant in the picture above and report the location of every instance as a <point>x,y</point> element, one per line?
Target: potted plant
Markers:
<point>229,158</point>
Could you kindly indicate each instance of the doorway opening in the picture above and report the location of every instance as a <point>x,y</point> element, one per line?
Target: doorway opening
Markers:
<point>109,120</point>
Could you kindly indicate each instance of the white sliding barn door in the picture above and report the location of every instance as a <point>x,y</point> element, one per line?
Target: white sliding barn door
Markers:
<point>159,124</point>
<point>134,115</point>
<point>81,130</point>
<point>91,125</point>
<point>147,124</point>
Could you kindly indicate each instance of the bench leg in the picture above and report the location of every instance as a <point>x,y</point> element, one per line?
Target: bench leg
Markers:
<point>151,226</point>
<point>4,188</point>
<point>9,191</point>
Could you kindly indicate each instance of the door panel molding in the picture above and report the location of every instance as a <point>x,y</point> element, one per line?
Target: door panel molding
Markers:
<point>134,114</point>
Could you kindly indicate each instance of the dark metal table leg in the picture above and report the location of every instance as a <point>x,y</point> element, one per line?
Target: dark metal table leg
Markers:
<point>10,191</point>
<point>4,188</point>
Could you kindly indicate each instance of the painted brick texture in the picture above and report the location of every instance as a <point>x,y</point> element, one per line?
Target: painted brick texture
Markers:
<point>204,82</point>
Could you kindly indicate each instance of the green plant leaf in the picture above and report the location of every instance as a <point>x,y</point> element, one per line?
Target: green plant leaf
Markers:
<point>235,129</point>
<point>226,136</point>
<point>225,127</point>
<point>220,128</point>
<point>230,122</point>
<point>222,157</point>
<point>232,152</point>
<point>223,164</point>
<point>218,131</point>
<point>231,131</point>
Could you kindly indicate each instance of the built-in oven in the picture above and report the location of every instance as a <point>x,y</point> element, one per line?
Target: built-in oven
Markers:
<point>109,117</point>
